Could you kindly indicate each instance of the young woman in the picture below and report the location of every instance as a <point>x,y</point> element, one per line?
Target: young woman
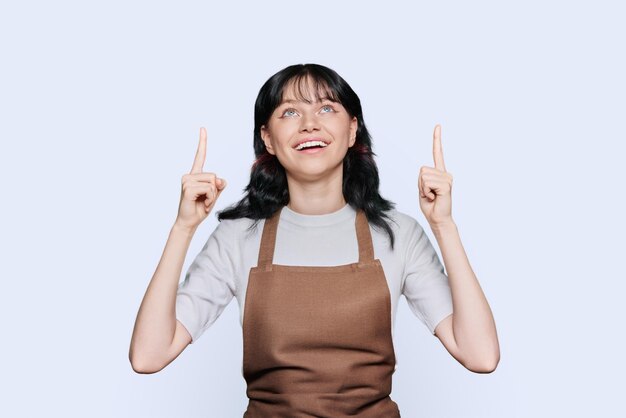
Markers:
<point>317,260</point>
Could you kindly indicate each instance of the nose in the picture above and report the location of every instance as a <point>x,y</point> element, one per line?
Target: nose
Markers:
<point>308,123</point>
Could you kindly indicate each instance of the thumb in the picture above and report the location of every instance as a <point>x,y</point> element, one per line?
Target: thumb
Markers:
<point>220,183</point>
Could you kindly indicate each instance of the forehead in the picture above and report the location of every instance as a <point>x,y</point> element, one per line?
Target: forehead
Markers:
<point>307,89</point>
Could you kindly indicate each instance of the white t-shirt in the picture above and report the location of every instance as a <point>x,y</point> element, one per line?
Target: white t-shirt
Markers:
<point>220,270</point>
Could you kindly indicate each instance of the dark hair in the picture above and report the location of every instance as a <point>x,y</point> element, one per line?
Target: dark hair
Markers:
<point>267,191</point>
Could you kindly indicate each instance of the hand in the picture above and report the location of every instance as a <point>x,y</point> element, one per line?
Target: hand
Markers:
<point>199,190</point>
<point>435,187</point>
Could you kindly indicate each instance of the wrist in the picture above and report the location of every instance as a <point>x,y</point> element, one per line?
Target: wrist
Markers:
<point>443,226</point>
<point>183,229</point>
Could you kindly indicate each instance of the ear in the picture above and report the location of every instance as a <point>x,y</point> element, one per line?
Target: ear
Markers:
<point>354,124</point>
<point>266,139</point>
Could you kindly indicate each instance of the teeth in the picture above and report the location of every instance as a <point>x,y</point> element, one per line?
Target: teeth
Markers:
<point>310,144</point>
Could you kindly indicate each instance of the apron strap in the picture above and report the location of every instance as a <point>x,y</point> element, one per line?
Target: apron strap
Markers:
<point>268,239</point>
<point>364,237</point>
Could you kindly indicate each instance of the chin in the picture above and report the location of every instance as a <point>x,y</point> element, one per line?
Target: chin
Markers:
<point>309,172</point>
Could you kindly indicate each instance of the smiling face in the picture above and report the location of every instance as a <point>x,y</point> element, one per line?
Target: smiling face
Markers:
<point>308,132</point>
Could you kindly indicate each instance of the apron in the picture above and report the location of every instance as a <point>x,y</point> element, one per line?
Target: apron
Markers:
<point>317,339</point>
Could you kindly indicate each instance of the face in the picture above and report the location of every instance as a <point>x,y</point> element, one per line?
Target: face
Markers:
<point>323,127</point>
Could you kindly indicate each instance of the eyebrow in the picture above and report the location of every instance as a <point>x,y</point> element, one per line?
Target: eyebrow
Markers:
<point>302,101</point>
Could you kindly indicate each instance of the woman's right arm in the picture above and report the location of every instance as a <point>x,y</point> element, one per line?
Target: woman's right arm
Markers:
<point>158,338</point>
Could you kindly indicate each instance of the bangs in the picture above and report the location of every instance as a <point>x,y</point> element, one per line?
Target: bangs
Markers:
<point>304,84</point>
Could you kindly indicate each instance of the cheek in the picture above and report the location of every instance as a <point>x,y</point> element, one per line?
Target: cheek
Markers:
<point>282,135</point>
<point>275,132</point>
<point>340,128</point>
<point>285,127</point>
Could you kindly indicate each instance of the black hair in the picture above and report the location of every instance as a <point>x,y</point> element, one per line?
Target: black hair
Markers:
<point>267,191</point>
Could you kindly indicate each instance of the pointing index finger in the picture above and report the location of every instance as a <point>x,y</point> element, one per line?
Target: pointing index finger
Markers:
<point>198,162</point>
<point>438,149</point>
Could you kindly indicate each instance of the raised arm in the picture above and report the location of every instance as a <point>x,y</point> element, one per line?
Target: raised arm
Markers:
<point>469,334</point>
<point>158,338</point>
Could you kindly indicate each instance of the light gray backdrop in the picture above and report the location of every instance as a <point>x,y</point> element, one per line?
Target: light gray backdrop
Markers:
<point>100,109</point>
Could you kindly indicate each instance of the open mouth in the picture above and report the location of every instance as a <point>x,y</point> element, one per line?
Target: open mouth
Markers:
<point>311,145</point>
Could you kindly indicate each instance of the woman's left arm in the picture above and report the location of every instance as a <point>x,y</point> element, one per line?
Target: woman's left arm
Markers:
<point>469,334</point>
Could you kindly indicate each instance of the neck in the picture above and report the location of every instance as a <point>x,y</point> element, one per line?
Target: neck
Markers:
<point>316,197</point>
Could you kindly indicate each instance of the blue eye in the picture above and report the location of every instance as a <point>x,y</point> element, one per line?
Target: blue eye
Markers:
<point>288,110</point>
<point>329,107</point>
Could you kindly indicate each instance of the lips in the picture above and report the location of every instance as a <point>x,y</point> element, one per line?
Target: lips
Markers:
<point>310,139</point>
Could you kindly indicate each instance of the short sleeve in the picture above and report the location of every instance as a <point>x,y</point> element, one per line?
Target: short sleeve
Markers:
<point>425,285</point>
<point>209,283</point>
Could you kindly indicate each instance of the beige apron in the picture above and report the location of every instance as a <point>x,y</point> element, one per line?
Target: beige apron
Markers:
<point>317,339</point>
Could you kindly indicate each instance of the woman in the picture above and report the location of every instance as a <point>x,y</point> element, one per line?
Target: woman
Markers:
<point>317,260</point>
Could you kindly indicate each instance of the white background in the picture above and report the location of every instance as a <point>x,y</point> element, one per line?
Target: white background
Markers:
<point>100,109</point>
